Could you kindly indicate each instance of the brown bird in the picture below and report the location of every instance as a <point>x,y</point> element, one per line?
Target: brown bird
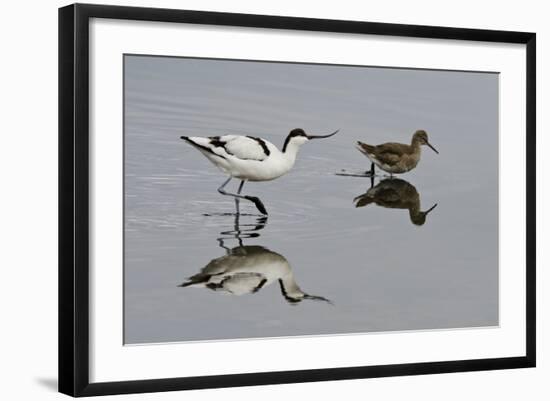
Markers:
<point>396,158</point>
<point>395,194</point>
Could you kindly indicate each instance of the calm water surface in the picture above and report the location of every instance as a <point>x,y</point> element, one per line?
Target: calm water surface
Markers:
<point>364,269</point>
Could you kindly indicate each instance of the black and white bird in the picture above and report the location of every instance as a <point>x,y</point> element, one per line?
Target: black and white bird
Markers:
<point>247,269</point>
<point>249,158</point>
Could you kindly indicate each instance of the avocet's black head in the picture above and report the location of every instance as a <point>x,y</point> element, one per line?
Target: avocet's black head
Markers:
<point>297,132</point>
<point>299,137</point>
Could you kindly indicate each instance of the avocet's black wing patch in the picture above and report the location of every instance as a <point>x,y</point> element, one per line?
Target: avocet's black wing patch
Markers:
<point>204,147</point>
<point>215,141</point>
<point>244,147</point>
<point>220,142</point>
<point>227,146</point>
<point>262,144</point>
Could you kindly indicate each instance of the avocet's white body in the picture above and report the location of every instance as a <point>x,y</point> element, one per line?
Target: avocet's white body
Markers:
<point>250,158</point>
<point>247,158</point>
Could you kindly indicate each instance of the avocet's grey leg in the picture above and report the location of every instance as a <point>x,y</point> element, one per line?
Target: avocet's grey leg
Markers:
<point>259,205</point>
<point>237,226</point>
<point>222,244</point>
<point>237,200</point>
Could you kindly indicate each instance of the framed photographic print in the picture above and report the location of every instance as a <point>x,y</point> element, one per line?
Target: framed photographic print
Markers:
<point>250,199</point>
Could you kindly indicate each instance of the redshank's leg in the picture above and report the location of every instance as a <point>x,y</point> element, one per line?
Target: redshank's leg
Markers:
<point>370,173</point>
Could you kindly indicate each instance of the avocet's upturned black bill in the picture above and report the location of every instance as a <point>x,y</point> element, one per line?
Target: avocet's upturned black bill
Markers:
<point>250,158</point>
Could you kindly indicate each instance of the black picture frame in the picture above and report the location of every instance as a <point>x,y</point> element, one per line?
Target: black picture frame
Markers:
<point>74,198</point>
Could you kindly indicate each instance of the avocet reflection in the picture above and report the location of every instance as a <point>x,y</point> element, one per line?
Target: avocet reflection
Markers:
<point>246,269</point>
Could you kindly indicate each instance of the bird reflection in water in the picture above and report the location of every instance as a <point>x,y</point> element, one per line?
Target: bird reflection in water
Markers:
<point>395,193</point>
<point>246,269</point>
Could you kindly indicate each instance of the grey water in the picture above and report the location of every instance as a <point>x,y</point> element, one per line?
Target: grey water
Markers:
<point>379,270</point>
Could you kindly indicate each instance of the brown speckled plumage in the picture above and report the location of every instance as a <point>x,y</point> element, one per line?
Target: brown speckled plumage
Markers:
<point>395,193</point>
<point>396,158</point>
